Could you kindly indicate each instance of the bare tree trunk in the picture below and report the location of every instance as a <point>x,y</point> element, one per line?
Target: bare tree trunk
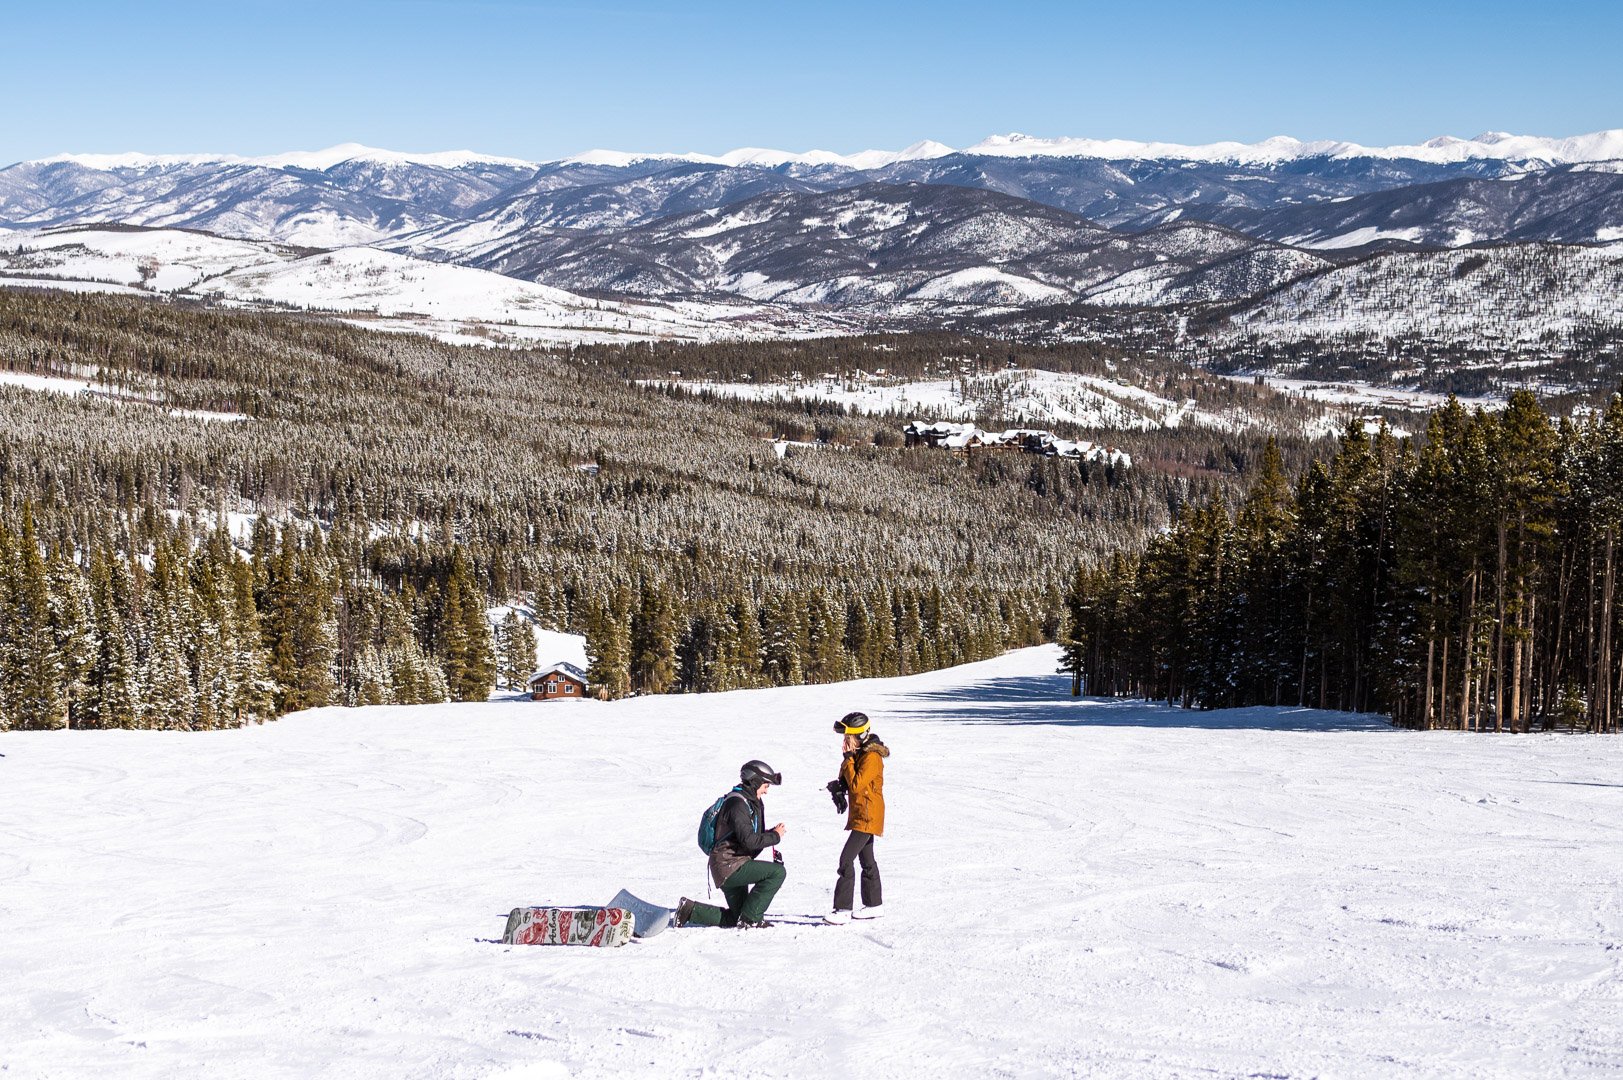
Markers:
<point>1555,675</point>
<point>1357,681</point>
<point>1445,717</point>
<point>1516,662</point>
<point>1307,635</point>
<point>1589,641</point>
<point>1530,652</point>
<point>1468,647</point>
<point>1607,720</point>
<point>1499,635</point>
<point>1427,716</point>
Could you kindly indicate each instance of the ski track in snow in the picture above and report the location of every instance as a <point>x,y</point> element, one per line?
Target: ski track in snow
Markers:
<point>1074,888</point>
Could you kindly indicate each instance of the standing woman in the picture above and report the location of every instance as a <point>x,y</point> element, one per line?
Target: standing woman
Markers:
<point>862,784</point>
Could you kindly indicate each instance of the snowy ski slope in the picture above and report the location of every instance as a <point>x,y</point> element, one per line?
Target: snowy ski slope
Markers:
<point>1096,888</point>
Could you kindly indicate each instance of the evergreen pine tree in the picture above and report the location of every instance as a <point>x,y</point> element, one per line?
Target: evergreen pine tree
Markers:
<point>33,665</point>
<point>1074,642</point>
<point>476,674</point>
<point>653,640</point>
<point>516,645</point>
<point>111,696</point>
<point>608,646</point>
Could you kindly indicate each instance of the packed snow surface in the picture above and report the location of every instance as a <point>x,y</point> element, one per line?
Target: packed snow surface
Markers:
<point>1072,888</point>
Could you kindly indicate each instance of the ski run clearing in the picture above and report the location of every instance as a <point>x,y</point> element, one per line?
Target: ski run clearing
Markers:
<point>1092,888</point>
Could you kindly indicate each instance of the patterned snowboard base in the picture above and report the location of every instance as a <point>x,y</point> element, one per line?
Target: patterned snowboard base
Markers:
<point>603,927</point>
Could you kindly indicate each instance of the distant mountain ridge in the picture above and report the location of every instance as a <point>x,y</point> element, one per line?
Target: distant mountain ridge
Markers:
<point>459,204</point>
<point>802,241</point>
<point>895,245</point>
<point>1492,145</point>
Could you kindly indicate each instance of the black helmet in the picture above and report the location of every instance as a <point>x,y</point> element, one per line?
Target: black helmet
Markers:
<point>755,773</point>
<point>852,723</point>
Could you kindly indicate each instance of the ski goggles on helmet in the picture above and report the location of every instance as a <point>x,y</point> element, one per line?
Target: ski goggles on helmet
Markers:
<point>757,772</point>
<point>852,724</point>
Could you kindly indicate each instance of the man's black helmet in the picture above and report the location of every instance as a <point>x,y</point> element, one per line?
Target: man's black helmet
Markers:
<point>756,773</point>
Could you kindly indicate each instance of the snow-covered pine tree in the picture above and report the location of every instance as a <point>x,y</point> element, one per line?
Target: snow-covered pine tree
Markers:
<point>168,685</point>
<point>747,657</point>
<point>32,666</point>
<point>468,652</point>
<point>515,645</point>
<point>111,696</point>
<point>1074,644</point>
<point>653,640</point>
<point>252,689</point>
<point>71,628</point>
<point>608,645</point>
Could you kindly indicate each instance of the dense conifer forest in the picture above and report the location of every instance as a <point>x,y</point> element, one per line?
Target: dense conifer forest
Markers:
<point>247,513</point>
<point>1491,354</point>
<point>1463,580</point>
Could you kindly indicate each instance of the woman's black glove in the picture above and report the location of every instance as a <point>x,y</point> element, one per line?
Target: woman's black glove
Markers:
<point>836,791</point>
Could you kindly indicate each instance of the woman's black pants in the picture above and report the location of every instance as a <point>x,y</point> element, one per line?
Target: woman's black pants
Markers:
<point>858,848</point>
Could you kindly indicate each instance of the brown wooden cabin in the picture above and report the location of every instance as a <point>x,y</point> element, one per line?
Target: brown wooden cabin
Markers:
<point>560,682</point>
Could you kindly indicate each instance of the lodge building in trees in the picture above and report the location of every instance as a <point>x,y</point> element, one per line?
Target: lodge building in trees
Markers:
<point>560,682</point>
<point>966,438</point>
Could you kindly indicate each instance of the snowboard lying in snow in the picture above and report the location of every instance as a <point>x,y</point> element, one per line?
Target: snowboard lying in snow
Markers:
<point>604,927</point>
<point>650,919</point>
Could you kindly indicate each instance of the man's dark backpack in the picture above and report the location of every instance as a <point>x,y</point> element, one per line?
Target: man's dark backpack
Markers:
<point>707,823</point>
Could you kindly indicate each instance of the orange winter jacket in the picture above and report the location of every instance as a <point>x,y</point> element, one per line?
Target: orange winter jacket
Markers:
<point>863,771</point>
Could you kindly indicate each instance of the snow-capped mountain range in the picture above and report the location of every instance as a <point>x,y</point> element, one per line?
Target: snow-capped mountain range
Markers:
<point>1491,145</point>
<point>353,194</point>
<point>766,238</point>
<point>889,247</point>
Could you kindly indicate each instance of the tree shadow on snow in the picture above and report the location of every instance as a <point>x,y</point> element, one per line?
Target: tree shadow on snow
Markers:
<point>1046,699</point>
<point>1574,783</point>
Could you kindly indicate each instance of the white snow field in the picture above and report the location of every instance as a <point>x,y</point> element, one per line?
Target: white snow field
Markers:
<point>379,289</point>
<point>1028,395</point>
<point>1086,888</point>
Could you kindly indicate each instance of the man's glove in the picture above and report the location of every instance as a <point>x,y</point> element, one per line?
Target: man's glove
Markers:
<point>836,791</point>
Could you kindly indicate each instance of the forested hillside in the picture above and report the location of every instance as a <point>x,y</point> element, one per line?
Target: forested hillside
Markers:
<point>241,514</point>
<point>1464,581</point>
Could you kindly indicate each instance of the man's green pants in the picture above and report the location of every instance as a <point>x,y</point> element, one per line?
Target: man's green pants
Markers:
<point>744,904</point>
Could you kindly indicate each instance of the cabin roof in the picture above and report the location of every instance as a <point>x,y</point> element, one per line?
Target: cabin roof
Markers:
<point>562,667</point>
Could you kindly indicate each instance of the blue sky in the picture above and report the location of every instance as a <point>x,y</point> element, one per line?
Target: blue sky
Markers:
<point>539,79</point>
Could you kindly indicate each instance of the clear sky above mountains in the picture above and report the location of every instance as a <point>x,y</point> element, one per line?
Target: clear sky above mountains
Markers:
<point>541,80</point>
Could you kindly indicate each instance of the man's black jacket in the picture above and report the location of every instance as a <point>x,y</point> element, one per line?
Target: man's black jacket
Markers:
<point>739,825</point>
